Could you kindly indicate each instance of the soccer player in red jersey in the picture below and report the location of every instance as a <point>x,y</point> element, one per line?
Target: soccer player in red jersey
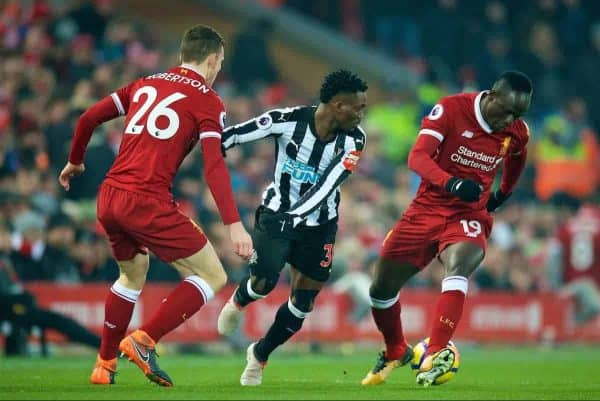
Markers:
<point>574,261</point>
<point>167,114</point>
<point>460,145</point>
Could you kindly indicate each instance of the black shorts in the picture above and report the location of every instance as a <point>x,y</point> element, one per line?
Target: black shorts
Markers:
<point>308,249</point>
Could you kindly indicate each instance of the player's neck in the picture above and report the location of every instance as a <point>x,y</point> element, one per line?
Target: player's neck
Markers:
<point>483,107</point>
<point>324,124</point>
<point>200,69</point>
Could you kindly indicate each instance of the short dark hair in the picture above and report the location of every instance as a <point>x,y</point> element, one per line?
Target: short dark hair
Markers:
<point>198,42</point>
<point>517,81</point>
<point>341,81</point>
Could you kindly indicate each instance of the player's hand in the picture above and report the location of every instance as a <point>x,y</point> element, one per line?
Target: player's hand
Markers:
<point>465,189</point>
<point>242,242</point>
<point>497,198</point>
<point>70,170</point>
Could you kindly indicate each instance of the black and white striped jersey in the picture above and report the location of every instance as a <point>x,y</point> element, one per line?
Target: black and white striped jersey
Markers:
<point>308,171</point>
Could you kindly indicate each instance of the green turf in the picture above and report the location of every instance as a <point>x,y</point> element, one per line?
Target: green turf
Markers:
<point>507,373</point>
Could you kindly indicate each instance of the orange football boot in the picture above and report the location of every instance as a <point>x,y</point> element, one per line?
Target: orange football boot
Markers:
<point>104,371</point>
<point>140,349</point>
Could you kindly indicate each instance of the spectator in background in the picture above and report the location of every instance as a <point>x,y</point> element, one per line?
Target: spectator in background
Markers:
<point>573,261</point>
<point>28,245</point>
<point>60,242</point>
<point>251,65</point>
<point>93,17</point>
<point>395,121</point>
<point>567,156</point>
<point>18,307</point>
<point>545,62</point>
<point>444,44</point>
<point>584,74</point>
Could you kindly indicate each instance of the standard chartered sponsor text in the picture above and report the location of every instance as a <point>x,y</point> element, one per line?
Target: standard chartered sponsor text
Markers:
<point>480,160</point>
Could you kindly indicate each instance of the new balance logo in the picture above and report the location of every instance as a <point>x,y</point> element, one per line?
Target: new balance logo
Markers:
<point>467,134</point>
<point>110,325</point>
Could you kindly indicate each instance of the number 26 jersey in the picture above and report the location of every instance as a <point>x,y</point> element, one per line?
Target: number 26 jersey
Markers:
<point>166,115</point>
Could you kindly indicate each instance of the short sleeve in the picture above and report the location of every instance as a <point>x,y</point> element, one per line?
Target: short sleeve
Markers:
<point>121,97</point>
<point>210,117</point>
<point>437,122</point>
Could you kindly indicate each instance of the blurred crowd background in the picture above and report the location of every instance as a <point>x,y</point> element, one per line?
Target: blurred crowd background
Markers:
<point>57,57</point>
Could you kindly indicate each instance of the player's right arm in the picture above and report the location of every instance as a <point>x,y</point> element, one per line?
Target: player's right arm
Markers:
<point>269,123</point>
<point>108,108</point>
<point>434,128</point>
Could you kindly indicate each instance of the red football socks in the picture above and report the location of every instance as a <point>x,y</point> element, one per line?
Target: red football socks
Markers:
<point>181,304</point>
<point>445,319</point>
<point>389,324</point>
<point>117,314</point>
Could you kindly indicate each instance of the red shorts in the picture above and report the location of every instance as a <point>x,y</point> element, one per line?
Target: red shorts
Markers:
<point>135,223</point>
<point>422,234</point>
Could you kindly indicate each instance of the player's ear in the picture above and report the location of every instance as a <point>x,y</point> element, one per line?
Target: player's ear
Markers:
<point>337,104</point>
<point>211,60</point>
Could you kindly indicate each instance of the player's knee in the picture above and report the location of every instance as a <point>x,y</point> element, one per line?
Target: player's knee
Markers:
<point>262,284</point>
<point>133,272</point>
<point>383,290</point>
<point>462,259</point>
<point>214,275</point>
<point>304,300</point>
<point>219,280</point>
<point>464,267</point>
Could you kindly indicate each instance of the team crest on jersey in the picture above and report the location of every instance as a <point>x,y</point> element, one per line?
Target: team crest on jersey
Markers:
<point>505,145</point>
<point>222,118</point>
<point>264,122</point>
<point>436,112</point>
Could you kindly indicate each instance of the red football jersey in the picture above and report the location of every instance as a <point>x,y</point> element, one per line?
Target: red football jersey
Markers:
<point>580,240</point>
<point>166,115</point>
<point>468,149</point>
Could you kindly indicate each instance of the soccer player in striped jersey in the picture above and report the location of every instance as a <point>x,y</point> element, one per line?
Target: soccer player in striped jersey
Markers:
<point>317,148</point>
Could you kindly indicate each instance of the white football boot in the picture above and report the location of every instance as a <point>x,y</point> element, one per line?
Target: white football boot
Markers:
<point>229,318</point>
<point>252,375</point>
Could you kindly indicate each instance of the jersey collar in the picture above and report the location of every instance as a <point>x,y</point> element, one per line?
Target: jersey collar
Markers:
<point>192,68</point>
<point>479,115</point>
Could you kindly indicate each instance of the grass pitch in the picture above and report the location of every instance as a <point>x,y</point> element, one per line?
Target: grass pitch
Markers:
<point>485,373</point>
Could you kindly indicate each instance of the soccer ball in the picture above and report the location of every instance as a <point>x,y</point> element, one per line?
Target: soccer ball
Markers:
<point>419,350</point>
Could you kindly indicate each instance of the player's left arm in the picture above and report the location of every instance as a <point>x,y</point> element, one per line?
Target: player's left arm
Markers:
<point>338,170</point>
<point>513,166</point>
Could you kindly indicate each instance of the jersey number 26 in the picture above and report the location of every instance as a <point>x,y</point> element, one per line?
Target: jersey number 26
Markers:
<point>157,110</point>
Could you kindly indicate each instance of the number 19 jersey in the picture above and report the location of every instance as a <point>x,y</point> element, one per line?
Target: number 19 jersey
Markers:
<point>166,115</point>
